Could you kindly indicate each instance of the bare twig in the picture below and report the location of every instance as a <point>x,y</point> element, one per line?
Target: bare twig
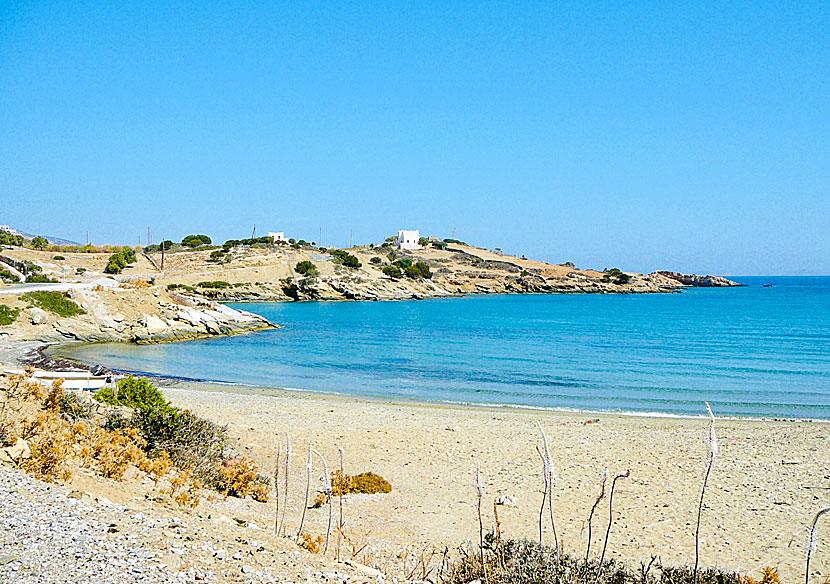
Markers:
<point>550,477</point>
<point>545,492</point>
<point>327,492</point>
<point>341,487</point>
<point>277,490</point>
<point>285,502</point>
<point>307,490</point>
<point>624,475</point>
<point>812,544</point>
<point>593,509</point>
<point>480,490</point>
<point>713,452</point>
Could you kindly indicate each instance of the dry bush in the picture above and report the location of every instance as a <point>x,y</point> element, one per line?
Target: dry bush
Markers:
<point>156,466</point>
<point>116,450</point>
<point>529,562</point>
<point>21,392</point>
<point>367,482</point>
<point>770,576</point>
<point>239,477</point>
<point>311,544</point>
<point>184,490</point>
<point>50,441</point>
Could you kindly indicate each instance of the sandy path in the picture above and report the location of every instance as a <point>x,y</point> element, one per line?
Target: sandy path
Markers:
<point>769,480</point>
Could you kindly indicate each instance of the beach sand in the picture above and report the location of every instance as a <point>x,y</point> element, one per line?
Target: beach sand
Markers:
<point>768,481</point>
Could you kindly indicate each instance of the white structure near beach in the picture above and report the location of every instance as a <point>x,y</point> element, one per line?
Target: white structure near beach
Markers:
<point>408,239</point>
<point>277,235</point>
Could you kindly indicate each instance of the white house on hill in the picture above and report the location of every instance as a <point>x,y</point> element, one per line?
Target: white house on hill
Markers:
<point>408,239</point>
<point>277,235</point>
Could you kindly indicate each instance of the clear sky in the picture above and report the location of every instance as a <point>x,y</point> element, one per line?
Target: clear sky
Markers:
<point>684,135</point>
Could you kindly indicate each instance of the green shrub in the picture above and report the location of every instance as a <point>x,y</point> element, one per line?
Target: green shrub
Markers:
<point>403,263</point>
<point>306,268</point>
<point>345,258</point>
<point>133,392</point>
<point>57,302</point>
<point>196,240</point>
<point>32,266</point>
<point>120,260</point>
<point>39,242</point>
<point>8,315</point>
<point>219,255</point>
<point>80,270</point>
<point>392,271</point>
<point>185,287</point>
<point>214,284</point>
<point>7,276</point>
<point>418,270</point>
<point>39,279</point>
<point>375,260</point>
<point>58,258</point>
<point>529,562</point>
<point>192,443</point>
<point>616,275</point>
<point>7,238</point>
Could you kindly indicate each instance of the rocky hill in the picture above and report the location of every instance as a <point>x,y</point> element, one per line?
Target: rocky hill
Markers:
<point>154,301</point>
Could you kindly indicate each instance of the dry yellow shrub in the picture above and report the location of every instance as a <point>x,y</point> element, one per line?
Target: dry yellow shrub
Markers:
<point>770,576</point>
<point>238,477</point>
<point>115,450</point>
<point>156,467</point>
<point>367,482</point>
<point>50,440</point>
<point>183,490</point>
<point>311,544</point>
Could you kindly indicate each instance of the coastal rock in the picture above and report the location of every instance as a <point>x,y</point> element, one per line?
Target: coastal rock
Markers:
<point>694,280</point>
<point>38,315</point>
<point>154,324</point>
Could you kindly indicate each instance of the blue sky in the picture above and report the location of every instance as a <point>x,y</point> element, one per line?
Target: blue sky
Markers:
<point>691,136</point>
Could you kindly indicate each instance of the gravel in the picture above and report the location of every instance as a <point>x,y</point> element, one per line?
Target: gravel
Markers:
<point>48,536</point>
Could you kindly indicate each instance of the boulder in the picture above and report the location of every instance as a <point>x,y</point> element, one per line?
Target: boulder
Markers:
<point>38,315</point>
<point>154,324</point>
<point>19,450</point>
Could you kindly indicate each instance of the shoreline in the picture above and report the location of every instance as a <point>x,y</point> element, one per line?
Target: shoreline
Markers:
<point>164,380</point>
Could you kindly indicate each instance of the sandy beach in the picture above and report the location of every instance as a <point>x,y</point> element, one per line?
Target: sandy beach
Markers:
<point>768,481</point>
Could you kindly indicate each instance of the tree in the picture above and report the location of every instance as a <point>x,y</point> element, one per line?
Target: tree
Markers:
<point>393,272</point>
<point>39,242</point>
<point>375,260</point>
<point>306,268</point>
<point>418,270</point>
<point>196,240</point>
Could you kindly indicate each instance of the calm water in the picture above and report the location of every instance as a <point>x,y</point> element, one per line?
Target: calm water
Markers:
<point>749,351</point>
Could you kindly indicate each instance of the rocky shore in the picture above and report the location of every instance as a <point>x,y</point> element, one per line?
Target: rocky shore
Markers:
<point>148,304</point>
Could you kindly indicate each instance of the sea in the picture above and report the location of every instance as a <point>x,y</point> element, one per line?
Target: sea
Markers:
<point>761,350</point>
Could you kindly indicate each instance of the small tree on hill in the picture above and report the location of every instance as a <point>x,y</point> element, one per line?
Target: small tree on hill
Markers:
<point>196,240</point>
<point>39,242</point>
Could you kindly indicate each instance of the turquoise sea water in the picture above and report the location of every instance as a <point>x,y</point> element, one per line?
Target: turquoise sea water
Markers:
<point>756,351</point>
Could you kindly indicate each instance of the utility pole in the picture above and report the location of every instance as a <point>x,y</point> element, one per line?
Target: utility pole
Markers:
<point>149,239</point>
<point>87,237</point>
<point>320,239</point>
<point>162,254</point>
<point>350,239</point>
<point>253,235</point>
<point>453,232</point>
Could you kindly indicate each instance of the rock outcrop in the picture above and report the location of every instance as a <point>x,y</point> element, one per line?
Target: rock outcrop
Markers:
<point>694,280</point>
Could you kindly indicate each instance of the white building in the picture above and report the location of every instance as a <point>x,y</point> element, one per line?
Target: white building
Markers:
<point>408,239</point>
<point>277,235</point>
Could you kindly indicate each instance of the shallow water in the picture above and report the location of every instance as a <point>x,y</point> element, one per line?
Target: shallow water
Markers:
<point>751,351</point>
